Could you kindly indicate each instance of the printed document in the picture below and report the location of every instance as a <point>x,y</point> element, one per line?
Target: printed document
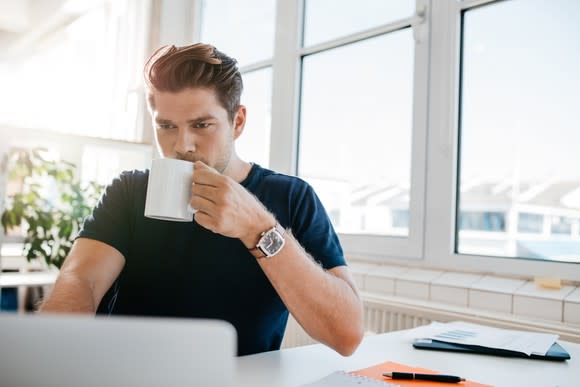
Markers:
<point>473,334</point>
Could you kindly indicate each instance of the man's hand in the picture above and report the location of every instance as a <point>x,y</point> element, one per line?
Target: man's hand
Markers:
<point>225,207</point>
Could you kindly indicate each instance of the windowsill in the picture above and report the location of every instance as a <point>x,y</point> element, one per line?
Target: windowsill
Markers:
<point>26,279</point>
<point>20,264</point>
<point>517,297</point>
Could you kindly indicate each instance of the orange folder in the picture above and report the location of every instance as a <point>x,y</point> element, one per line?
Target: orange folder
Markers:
<point>376,372</point>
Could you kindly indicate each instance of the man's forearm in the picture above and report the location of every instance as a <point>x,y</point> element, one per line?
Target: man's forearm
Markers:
<point>69,295</point>
<point>325,305</point>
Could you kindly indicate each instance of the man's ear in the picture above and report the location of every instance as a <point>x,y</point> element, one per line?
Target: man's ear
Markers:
<point>239,121</point>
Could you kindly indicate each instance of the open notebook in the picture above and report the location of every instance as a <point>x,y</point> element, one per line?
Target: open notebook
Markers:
<point>86,351</point>
<point>343,379</point>
<point>373,376</point>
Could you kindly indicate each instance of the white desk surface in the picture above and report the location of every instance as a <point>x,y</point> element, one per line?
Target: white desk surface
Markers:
<point>301,365</point>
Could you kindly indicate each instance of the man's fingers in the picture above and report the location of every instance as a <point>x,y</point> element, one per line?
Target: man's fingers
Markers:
<point>202,205</point>
<point>201,166</point>
<point>205,221</point>
<point>206,177</point>
<point>205,191</point>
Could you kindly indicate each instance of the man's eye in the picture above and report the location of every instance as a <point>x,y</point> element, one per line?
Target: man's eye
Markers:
<point>165,126</point>
<point>201,125</point>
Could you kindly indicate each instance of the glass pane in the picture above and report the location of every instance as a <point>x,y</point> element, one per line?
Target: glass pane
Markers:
<point>355,137</point>
<point>325,20</point>
<point>520,130</point>
<point>241,29</point>
<point>254,143</point>
<point>102,163</point>
<point>83,77</point>
<point>561,225</point>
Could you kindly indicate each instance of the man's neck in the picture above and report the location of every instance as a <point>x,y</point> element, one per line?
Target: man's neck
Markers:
<point>237,169</point>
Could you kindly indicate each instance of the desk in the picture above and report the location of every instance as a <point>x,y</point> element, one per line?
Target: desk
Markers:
<point>296,366</point>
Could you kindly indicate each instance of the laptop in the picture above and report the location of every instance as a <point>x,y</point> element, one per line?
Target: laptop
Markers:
<point>75,350</point>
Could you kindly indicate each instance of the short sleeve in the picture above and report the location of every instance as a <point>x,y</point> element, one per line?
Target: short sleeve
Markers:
<point>312,228</point>
<point>110,221</point>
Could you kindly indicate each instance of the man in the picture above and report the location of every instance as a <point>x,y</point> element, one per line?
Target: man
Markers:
<point>124,263</point>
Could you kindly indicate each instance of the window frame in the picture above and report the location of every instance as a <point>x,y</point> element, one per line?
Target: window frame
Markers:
<point>442,159</point>
<point>434,162</point>
<point>286,83</point>
<point>286,80</point>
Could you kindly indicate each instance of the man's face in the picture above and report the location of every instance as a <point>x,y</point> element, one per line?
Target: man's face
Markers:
<point>192,125</point>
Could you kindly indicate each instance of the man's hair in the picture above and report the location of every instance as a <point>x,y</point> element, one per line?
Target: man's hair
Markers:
<point>174,69</point>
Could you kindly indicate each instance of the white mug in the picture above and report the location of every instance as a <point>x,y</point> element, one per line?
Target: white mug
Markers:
<point>169,190</point>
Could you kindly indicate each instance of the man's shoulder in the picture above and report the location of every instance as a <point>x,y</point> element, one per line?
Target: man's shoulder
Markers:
<point>278,189</point>
<point>269,176</point>
<point>135,176</point>
<point>128,183</point>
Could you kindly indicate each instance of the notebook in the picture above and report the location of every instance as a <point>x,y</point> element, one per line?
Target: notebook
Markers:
<point>343,379</point>
<point>556,352</point>
<point>376,372</point>
<point>80,350</point>
<point>373,376</point>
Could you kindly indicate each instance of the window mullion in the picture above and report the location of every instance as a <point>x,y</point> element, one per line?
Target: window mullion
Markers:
<point>440,202</point>
<point>285,87</point>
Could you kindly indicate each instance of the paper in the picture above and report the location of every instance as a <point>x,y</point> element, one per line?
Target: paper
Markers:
<point>472,334</point>
<point>342,379</point>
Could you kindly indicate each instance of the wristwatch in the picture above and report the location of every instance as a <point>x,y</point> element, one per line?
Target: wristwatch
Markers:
<point>271,242</point>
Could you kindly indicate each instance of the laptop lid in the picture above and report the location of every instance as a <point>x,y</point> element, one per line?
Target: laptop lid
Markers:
<point>67,350</point>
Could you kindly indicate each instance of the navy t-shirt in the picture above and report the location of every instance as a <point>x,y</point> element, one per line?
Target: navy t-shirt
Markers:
<point>180,269</point>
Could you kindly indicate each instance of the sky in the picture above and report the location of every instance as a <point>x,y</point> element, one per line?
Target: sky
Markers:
<point>521,90</point>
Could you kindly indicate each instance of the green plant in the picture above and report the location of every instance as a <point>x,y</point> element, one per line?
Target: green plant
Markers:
<point>51,206</point>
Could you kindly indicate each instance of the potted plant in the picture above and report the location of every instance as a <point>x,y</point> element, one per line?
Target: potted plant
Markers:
<point>51,206</point>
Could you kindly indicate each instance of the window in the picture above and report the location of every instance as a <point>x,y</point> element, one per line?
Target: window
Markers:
<point>482,221</point>
<point>355,129</point>
<point>400,218</point>
<point>516,109</point>
<point>326,20</point>
<point>361,120</point>
<point>72,83</point>
<point>242,29</point>
<point>102,163</point>
<point>561,225</point>
<point>254,143</point>
<point>489,186</point>
<point>87,63</point>
<point>530,223</point>
<point>450,118</point>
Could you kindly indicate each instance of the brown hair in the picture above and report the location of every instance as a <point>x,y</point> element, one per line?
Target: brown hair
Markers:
<point>174,69</point>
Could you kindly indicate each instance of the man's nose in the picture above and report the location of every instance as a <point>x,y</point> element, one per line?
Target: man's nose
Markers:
<point>185,141</point>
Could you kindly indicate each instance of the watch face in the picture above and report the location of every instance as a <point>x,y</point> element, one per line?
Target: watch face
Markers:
<point>271,242</point>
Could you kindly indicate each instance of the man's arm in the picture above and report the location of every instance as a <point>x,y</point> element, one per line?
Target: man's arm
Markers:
<point>88,272</point>
<point>325,303</point>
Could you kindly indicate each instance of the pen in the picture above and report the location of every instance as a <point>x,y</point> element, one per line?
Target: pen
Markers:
<point>431,377</point>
